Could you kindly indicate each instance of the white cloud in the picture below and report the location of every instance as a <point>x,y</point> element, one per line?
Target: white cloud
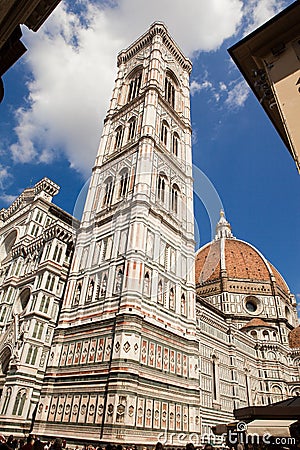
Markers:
<point>194,24</point>
<point>5,176</point>
<point>5,181</point>
<point>7,199</point>
<point>196,87</point>
<point>258,12</point>
<point>73,68</point>
<point>237,95</point>
<point>72,60</point>
<point>218,91</point>
<point>222,86</point>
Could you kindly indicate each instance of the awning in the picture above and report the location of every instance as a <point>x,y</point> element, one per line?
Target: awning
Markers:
<point>222,428</point>
<point>271,427</point>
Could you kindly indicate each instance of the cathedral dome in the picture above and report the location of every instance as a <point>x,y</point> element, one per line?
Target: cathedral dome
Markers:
<point>237,264</point>
<point>257,323</point>
<point>294,337</point>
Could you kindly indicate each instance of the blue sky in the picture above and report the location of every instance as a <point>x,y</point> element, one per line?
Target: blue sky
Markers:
<point>57,94</point>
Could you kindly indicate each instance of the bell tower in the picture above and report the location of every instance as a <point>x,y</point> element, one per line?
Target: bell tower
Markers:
<point>123,364</point>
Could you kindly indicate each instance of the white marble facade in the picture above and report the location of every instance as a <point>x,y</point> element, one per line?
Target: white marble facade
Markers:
<point>114,343</point>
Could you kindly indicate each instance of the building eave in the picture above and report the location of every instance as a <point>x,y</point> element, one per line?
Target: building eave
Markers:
<point>248,53</point>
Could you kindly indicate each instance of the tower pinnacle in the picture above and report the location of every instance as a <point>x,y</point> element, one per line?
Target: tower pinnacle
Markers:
<point>223,228</point>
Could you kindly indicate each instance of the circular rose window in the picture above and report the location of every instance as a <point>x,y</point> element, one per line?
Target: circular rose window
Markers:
<point>251,304</point>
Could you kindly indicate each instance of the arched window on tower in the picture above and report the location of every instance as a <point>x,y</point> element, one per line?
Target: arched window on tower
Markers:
<point>77,293</point>
<point>44,306</point>
<point>6,400</point>
<point>119,137</point>
<point>5,359</point>
<point>134,86</point>
<point>48,282</point>
<point>108,192</point>
<point>132,128</point>
<point>90,291</point>
<point>183,305</point>
<point>119,280</point>
<point>161,187</point>
<point>19,403</point>
<point>172,299</point>
<point>146,289</point>
<point>164,132</point>
<point>160,294</point>
<point>52,283</point>
<point>174,198</point>
<point>55,252</point>
<point>124,179</point>
<point>19,266</point>
<point>170,91</point>
<point>175,144</point>
<point>103,285</point>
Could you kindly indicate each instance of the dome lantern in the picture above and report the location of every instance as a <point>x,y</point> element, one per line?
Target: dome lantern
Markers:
<point>223,228</point>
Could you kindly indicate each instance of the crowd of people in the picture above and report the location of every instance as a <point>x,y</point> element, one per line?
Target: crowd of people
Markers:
<point>30,443</point>
<point>34,443</point>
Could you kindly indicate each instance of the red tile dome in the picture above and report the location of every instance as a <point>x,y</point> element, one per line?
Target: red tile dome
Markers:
<point>294,337</point>
<point>257,323</point>
<point>237,259</point>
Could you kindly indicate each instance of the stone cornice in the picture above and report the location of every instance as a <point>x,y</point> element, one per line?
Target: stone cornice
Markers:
<point>28,195</point>
<point>157,28</point>
<point>55,230</point>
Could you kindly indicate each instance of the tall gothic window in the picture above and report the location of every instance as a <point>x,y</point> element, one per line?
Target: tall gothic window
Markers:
<point>6,400</point>
<point>170,91</point>
<point>132,128</point>
<point>175,144</point>
<point>57,253</point>
<point>19,265</point>
<point>164,132</point>
<point>50,282</point>
<point>103,285</point>
<point>214,377</point>
<point>183,305</point>
<point>45,304</point>
<point>160,294</point>
<point>172,299</point>
<point>108,192</point>
<point>90,291</point>
<point>134,86</point>
<point>123,184</point>
<point>174,198</point>
<point>119,281</point>
<point>119,137</point>
<point>161,188</point>
<point>77,293</point>
<point>146,289</point>
<point>19,403</point>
